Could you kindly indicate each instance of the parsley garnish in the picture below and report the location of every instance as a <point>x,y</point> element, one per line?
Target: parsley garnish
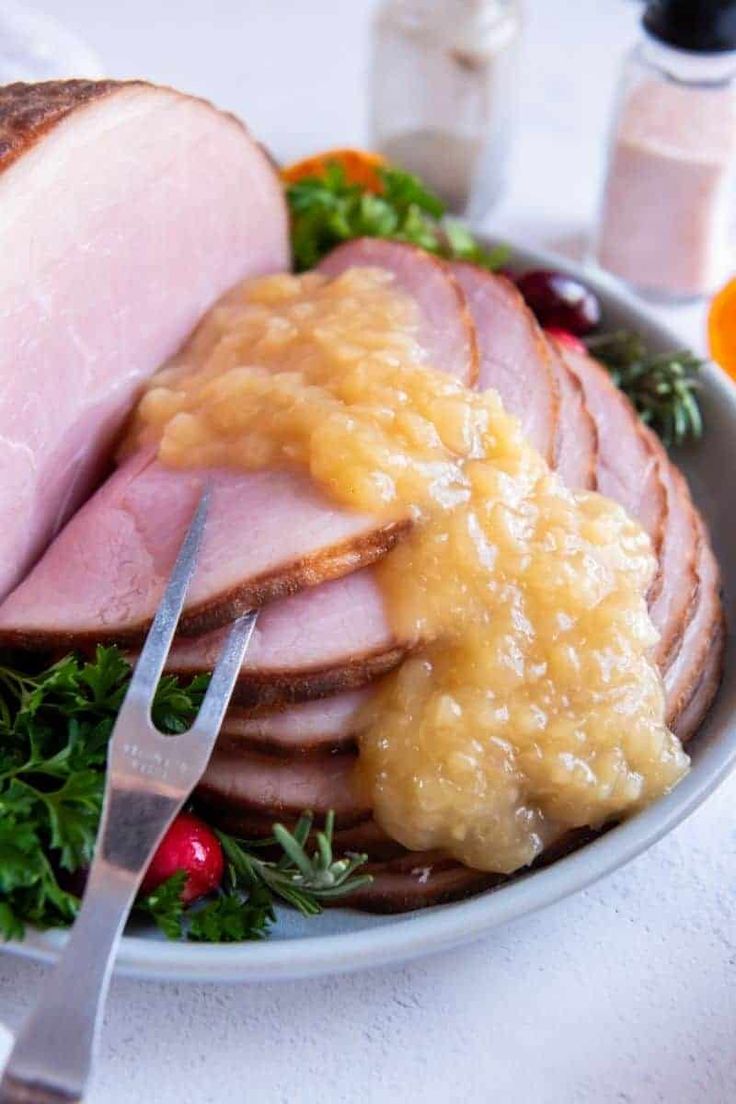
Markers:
<point>327,210</point>
<point>55,723</point>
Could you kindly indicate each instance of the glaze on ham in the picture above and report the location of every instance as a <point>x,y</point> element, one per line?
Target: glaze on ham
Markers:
<point>447,332</point>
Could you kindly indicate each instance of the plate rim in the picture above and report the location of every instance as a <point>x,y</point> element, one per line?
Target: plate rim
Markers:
<point>412,935</point>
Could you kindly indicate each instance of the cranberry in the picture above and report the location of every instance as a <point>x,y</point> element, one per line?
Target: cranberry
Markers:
<point>191,846</point>
<point>564,337</point>
<point>560,301</point>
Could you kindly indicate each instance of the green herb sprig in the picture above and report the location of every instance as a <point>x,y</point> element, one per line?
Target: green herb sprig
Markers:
<point>662,386</point>
<point>305,875</point>
<point>55,724</point>
<point>327,210</point>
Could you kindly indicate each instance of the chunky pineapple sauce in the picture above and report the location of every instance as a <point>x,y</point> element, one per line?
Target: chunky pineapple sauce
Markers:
<point>531,706</point>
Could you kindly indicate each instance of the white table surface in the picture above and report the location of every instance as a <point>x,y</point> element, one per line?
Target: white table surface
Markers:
<point>624,993</point>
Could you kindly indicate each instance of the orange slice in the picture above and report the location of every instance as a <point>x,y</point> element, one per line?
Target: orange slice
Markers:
<point>722,328</point>
<point>360,167</point>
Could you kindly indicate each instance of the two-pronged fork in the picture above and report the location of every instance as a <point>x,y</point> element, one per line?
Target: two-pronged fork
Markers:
<point>149,777</point>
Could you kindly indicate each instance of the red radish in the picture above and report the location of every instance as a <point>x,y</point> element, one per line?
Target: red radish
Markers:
<point>191,846</point>
<point>569,340</point>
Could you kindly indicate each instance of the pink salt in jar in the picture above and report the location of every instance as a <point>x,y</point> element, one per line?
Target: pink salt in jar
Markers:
<point>666,218</point>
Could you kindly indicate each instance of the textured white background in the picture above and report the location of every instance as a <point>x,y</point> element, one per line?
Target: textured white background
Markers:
<point>624,993</point>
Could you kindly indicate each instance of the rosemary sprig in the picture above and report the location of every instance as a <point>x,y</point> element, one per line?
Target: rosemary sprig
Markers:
<point>662,386</point>
<point>303,876</point>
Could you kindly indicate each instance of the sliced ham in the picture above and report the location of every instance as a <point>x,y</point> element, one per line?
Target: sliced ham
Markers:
<point>694,713</point>
<point>673,606</point>
<point>416,881</point>
<point>447,332</point>
<point>515,358</point>
<point>268,534</point>
<point>333,638</point>
<point>629,467</point>
<point>576,452</point>
<point>701,648</point>
<point>312,728</point>
<point>252,783</point>
<point>126,211</point>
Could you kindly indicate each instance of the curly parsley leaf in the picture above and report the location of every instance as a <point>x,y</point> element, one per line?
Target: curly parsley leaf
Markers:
<point>327,210</point>
<point>55,724</point>
<point>164,905</point>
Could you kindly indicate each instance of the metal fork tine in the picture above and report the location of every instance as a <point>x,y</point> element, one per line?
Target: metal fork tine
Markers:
<point>224,676</point>
<point>153,655</point>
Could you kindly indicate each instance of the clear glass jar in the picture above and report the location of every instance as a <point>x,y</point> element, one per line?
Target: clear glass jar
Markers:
<point>666,218</point>
<point>442,86</point>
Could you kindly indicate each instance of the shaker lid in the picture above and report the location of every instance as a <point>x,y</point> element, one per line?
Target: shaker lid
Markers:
<point>700,26</point>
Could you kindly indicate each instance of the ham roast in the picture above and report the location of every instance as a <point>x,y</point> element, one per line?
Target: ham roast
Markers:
<point>143,236</point>
<point>127,211</point>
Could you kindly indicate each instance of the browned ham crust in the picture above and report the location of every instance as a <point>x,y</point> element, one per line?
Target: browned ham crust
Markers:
<point>28,111</point>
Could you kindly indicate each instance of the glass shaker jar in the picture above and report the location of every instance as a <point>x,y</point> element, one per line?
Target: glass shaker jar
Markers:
<point>666,218</point>
<point>442,94</point>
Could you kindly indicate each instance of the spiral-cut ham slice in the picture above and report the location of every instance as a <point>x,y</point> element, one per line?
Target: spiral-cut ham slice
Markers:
<point>312,728</point>
<point>692,678</point>
<point>659,498</point>
<point>268,534</point>
<point>258,784</point>
<point>319,642</point>
<point>629,466</point>
<point>447,332</point>
<point>515,358</point>
<point>127,210</point>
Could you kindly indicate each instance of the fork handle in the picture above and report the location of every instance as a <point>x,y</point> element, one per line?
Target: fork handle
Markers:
<point>53,1053</point>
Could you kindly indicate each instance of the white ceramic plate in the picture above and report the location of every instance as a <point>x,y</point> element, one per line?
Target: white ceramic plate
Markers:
<point>342,940</point>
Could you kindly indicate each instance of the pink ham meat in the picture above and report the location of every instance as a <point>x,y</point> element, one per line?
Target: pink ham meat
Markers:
<point>319,642</point>
<point>576,447</point>
<point>127,210</point>
<point>692,679</point>
<point>447,332</point>
<point>246,781</point>
<point>268,534</point>
<point>629,469</point>
<point>515,359</point>
<point>673,605</point>
<point>313,728</point>
<point>661,503</point>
